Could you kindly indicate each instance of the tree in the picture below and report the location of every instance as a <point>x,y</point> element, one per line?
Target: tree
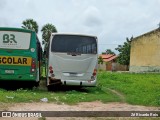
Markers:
<point>100,60</point>
<point>124,52</point>
<point>109,51</point>
<point>30,24</point>
<point>47,30</point>
<point>103,53</point>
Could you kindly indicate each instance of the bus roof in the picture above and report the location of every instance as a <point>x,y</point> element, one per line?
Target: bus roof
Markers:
<point>16,29</point>
<point>74,34</point>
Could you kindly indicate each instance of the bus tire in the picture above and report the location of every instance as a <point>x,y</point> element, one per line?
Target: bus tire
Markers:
<point>49,88</point>
<point>36,84</point>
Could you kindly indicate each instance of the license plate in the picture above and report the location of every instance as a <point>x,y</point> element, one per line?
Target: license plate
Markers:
<point>73,74</point>
<point>9,71</point>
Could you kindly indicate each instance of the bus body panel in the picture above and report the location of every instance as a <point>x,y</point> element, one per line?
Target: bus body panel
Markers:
<point>72,69</point>
<point>15,63</point>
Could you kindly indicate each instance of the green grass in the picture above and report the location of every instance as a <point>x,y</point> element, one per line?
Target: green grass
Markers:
<point>69,97</point>
<point>139,89</point>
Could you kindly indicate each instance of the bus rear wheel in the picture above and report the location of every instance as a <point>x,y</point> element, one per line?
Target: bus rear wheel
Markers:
<point>49,87</point>
<point>36,84</point>
<point>53,87</point>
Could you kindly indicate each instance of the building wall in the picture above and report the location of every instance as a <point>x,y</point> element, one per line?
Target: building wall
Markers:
<point>108,67</point>
<point>145,53</point>
<point>102,66</point>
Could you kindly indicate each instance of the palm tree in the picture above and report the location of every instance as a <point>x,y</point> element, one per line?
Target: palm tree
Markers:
<point>47,30</point>
<point>30,24</point>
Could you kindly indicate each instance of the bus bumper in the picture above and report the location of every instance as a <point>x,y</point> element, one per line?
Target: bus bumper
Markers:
<point>56,81</point>
<point>79,83</point>
<point>24,77</point>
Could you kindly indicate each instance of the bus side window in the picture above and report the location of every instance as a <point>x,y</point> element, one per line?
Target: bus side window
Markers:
<point>39,51</point>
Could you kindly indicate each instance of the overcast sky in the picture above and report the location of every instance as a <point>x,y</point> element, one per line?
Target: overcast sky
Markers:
<point>110,20</point>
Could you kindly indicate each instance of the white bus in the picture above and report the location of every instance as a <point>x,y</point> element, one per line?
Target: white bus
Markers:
<point>71,59</point>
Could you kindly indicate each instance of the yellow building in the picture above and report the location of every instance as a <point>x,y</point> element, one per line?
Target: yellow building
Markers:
<point>145,52</point>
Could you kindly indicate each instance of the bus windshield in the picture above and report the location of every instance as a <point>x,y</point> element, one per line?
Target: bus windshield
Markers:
<point>14,40</point>
<point>74,44</point>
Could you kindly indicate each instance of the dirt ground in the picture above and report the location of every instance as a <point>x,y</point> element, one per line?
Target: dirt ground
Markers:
<point>84,106</point>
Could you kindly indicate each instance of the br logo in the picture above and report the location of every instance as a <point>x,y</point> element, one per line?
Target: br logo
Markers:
<point>9,38</point>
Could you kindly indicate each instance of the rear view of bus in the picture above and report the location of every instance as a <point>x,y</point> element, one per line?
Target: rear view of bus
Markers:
<point>19,57</point>
<point>72,60</point>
